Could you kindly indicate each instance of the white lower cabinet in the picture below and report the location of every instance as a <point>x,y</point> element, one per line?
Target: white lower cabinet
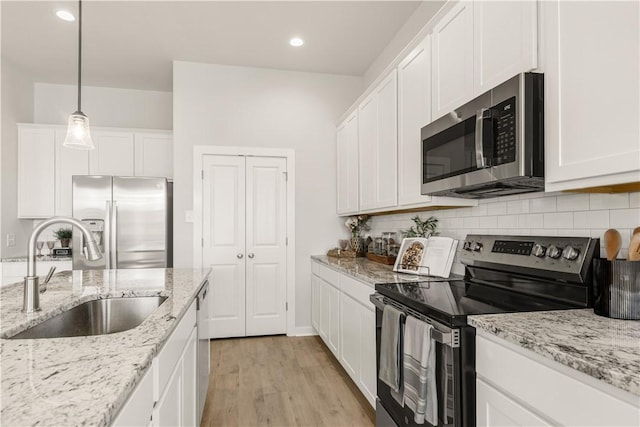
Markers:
<point>517,387</point>
<point>347,324</point>
<point>496,409</point>
<point>167,394</point>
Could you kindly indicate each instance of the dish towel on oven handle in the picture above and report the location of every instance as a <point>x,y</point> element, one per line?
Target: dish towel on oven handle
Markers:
<point>419,371</point>
<point>391,350</point>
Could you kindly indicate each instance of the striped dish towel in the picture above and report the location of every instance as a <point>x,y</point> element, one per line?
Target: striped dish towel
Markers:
<point>419,370</point>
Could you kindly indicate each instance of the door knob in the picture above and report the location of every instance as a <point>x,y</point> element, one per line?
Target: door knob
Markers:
<point>251,256</point>
<point>239,256</point>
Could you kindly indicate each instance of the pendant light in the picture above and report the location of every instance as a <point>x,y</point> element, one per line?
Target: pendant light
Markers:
<point>78,133</point>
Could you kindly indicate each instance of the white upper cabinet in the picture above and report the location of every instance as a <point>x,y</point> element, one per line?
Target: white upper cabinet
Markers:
<point>414,112</point>
<point>452,42</point>
<point>69,162</point>
<point>505,41</point>
<point>113,153</point>
<point>154,154</point>
<point>46,168</point>
<point>347,166</point>
<point>378,146</point>
<point>36,184</point>
<point>592,64</point>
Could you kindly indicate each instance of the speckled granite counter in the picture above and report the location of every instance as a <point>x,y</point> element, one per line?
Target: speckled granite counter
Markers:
<point>369,271</point>
<point>606,349</point>
<point>85,380</point>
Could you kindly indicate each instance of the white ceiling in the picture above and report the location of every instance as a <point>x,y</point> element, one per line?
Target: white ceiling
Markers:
<point>131,44</point>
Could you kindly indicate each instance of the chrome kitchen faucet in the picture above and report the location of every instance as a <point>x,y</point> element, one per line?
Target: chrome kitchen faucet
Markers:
<point>31,282</point>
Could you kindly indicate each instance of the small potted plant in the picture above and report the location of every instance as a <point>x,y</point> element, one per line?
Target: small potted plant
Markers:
<point>426,228</point>
<point>64,235</point>
<point>357,224</point>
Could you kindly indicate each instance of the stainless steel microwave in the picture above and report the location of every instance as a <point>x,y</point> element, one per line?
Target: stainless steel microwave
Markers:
<point>492,146</point>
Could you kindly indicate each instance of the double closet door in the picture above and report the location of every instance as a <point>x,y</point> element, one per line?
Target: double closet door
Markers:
<point>244,242</point>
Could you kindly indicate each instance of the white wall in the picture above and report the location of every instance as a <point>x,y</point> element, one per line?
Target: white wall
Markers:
<point>536,214</point>
<point>17,106</point>
<point>242,106</point>
<point>110,107</point>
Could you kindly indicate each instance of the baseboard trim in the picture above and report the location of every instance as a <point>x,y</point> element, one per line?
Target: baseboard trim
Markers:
<point>303,331</point>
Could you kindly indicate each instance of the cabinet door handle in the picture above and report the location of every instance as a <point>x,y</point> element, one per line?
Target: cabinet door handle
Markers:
<point>251,256</point>
<point>239,256</point>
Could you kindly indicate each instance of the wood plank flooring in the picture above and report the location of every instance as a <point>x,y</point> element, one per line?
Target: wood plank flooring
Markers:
<point>281,381</point>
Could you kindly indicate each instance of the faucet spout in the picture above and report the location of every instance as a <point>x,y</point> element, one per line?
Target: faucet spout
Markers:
<point>31,289</point>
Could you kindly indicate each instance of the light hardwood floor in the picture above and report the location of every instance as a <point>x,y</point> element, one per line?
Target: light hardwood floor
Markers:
<point>281,381</point>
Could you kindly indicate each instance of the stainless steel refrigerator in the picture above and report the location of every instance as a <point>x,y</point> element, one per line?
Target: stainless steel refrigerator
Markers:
<point>130,217</point>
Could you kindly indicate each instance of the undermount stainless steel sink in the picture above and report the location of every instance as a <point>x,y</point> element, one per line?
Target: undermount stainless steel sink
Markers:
<point>97,317</point>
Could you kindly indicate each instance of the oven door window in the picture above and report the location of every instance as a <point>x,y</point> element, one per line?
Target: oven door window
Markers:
<point>450,152</point>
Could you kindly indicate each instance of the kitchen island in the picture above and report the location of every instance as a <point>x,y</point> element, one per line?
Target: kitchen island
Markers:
<point>85,380</point>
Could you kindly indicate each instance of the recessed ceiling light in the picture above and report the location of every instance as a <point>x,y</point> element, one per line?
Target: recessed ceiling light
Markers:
<point>67,16</point>
<point>296,41</point>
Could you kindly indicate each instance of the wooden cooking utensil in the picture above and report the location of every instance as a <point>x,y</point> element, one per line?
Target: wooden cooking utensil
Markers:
<point>612,243</point>
<point>636,231</point>
<point>634,248</point>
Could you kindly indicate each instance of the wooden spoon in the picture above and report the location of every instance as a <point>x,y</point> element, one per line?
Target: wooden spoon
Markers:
<point>634,248</point>
<point>612,243</point>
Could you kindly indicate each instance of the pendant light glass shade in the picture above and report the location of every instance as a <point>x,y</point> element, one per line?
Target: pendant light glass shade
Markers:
<point>78,133</point>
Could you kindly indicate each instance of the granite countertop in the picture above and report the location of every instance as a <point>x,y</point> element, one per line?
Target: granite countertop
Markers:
<point>85,380</point>
<point>369,271</point>
<point>47,258</point>
<point>606,349</point>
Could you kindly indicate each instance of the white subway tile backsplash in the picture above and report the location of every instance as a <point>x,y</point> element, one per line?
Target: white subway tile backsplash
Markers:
<point>531,214</point>
<point>471,222</point>
<point>572,202</point>
<point>545,204</point>
<point>531,221</point>
<point>577,232</point>
<point>497,208</point>
<point>591,219</point>
<point>558,220</point>
<point>518,206</point>
<point>479,210</point>
<point>608,201</point>
<point>547,232</point>
<point>508,221</point>
<point>624,218</point>
<point>489,222</point>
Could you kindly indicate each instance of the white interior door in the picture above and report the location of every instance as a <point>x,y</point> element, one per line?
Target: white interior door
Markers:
<point>266,222</point>
<point>223,242</point>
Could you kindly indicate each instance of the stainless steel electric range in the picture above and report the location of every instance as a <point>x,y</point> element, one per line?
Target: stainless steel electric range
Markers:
<point>503,274</point>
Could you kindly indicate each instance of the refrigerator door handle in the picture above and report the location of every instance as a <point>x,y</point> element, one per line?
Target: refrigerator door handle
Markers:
<point>106,236</point>
<point>114,235</point>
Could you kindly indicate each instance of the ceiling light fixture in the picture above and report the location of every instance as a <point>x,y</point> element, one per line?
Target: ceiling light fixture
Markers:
<point>65,15</point>
<point>78,134</point>
<point>296,41</point>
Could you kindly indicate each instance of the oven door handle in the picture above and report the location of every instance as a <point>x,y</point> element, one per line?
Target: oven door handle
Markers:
<point>450,339</point>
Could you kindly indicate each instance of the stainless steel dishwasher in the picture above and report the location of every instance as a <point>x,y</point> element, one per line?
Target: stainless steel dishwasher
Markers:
<point>203,348</point>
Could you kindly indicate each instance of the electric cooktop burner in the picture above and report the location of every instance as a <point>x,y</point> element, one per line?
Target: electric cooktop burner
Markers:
<point>451,302</point>
<point>505,274</point>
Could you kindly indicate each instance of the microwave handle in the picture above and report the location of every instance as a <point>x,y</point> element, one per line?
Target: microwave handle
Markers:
<point>484,137</point>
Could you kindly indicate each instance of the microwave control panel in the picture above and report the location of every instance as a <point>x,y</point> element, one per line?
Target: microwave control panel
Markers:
<point>504,131</point>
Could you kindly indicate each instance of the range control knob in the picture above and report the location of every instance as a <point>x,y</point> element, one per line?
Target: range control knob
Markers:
<point>538,250</point>
<point>570,253</point>
<point>467,245</point>
<point>554,252</point>
<point>476,246</point>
